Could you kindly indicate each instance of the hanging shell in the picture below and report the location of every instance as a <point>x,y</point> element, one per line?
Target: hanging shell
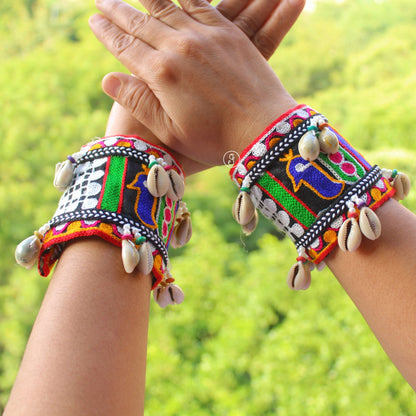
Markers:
<point>27,252</point>
<point>146,259</point>
<point>176,186</point>
<point>309,146</point>
<point>162,296</point>
<point>320,266</point>
<point>64,173</point>
<point>251,226</point>
<point>401,185</point>
<point>328,141</point>
<point>349,235</point>
<point>243,208</point>
<point>129,255</point>
<point>176,294</point>
<point>369,223</point>
<point>158,181</point>
<point>182,232</point>
<point>299,276</point>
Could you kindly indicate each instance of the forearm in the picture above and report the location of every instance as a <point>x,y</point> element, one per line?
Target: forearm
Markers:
<point>89,340</point>
<point>379,277</point>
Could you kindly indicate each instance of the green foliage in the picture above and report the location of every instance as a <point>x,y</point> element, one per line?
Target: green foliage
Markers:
<point>242,343</point>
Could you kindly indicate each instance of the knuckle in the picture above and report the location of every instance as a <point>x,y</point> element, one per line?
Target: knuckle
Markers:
<point>247,24</point>
<point>121,42</point>
<point>162,69</point>
<point>265,44</point>
<point>165,12</point>
<point>187,46</point>
<point>136,23</point>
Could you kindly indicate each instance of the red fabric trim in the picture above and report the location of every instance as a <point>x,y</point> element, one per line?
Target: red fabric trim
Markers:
<point>381,201</point>
<point>325,252</point>
<point>107,167</point>
<point>265,131</point>
<point>123,186</point>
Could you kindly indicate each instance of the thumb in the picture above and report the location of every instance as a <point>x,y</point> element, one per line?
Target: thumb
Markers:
<point>138,101</point>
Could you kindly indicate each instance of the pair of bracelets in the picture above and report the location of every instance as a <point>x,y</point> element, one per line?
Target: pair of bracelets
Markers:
<point>314,186</point>
<point>123,190</point>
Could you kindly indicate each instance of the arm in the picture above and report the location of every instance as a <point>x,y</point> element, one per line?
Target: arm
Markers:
<point>92,325</point>
<point>87,351</point>
<point>379,276</point>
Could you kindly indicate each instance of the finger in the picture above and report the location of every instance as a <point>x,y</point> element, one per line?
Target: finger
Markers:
<point>137,98</point>
<point>133,21</point>
<point>125,47</point>
<point>165,11</point>
<point>252,18</point>
<point>203,12</point>
<point>230,9</point>
<point>269,36</point>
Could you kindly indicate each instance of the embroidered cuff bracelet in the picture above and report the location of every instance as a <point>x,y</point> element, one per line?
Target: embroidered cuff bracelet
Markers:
<point>127,192</point>
<point>306,178</point>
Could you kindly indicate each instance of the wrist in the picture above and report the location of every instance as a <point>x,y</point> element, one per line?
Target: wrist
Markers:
<point>306,178</point>
<point>125,191</point>
<point>266,115</point>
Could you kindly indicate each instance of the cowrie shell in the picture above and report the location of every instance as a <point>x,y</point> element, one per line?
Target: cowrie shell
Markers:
<point>251,226</point>
<point>182,232</point>
<point>328,141</point>
<point>299,276</point>
<point>158,181</point>
<point>64,173</point>
<point>176,186</point>
<point>309,146</point>
<point>349,235</point>
<point>243,208</point>
<point>402,186</point>
<point>129,255</point>
<point>369,223</point>
<point>162,297</point>
<point>27,252</point>
<point>176,294</point>
<point>145,265</point>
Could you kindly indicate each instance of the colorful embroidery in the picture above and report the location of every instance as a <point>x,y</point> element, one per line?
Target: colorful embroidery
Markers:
<point>108,193</point>
<point>309,197</point>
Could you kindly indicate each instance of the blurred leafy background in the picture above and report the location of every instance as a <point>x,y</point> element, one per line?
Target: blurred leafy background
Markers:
<point>242,343</point>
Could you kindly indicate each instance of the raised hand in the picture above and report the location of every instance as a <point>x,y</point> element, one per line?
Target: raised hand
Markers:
<point>265,22</point>
<point>200,82</point>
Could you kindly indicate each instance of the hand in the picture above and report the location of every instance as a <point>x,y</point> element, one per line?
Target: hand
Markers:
<point>265,22</point>
<point>184,52</point>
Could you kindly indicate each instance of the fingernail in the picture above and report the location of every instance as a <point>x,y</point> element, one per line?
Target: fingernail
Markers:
<point>111,86</point>
<point>95,19</point>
